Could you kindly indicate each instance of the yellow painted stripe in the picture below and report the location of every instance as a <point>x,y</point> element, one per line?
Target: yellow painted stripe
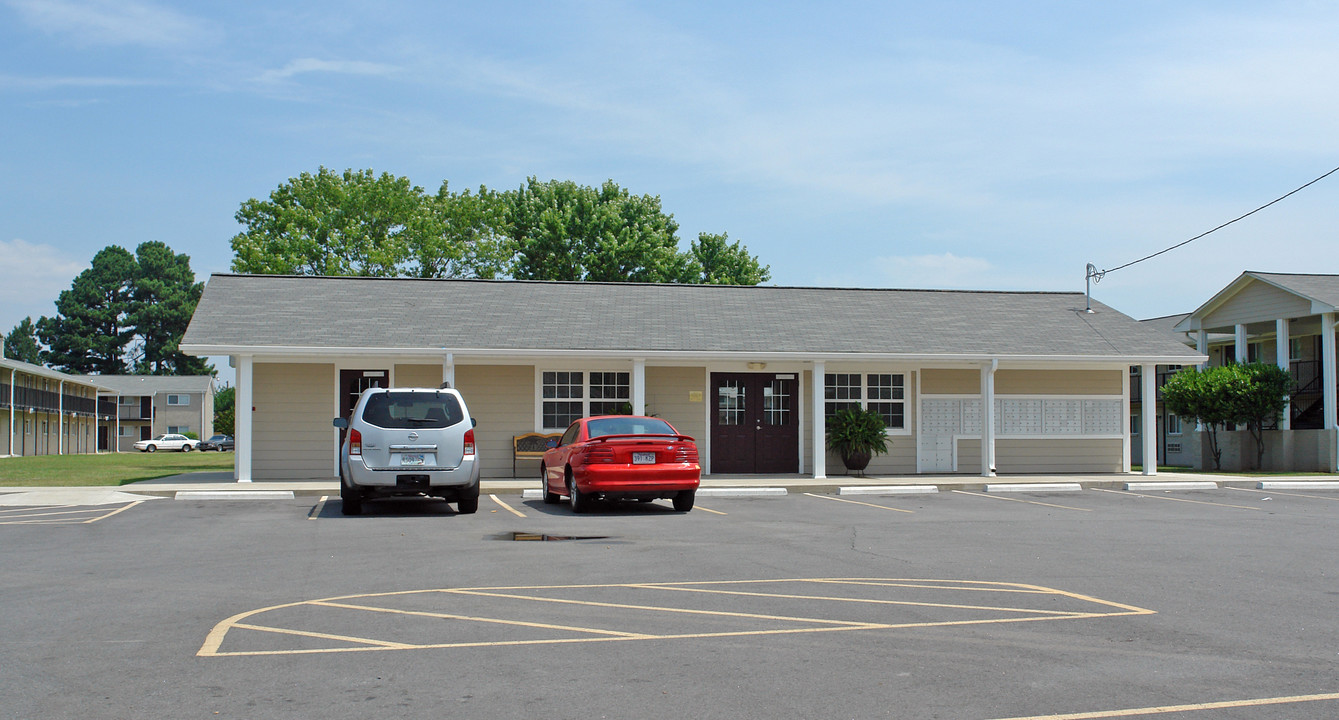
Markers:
<point>118,510</point>
<point>327,636</point>
<point>33,508</point>
<point>317,508</point>
<point>48,513</point>
<point>1192,707</point>
<point>476,618</point>
<point>1029,502</point>
<point>857,502</point>
<point>713,512</point>
<point>870,601</point>
<point>507,507</point>
<point>1172,499</point>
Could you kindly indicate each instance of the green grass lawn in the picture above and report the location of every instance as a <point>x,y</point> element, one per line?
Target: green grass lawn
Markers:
<point>106,469</point>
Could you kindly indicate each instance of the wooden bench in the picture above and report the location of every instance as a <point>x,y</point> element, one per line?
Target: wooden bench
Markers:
<point>531,446</point>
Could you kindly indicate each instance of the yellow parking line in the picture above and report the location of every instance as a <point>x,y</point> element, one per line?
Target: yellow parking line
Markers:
<point>1161,497</point>
<point>713,512</point>
<point>1029,502</point>
<point>48,513</point>
<point>316,509</point>
<point>1192,707</point>
<point>327,636</point>
<point>508,508</point>
<point>871,601</point>
<point>118,510</point>
<point>476,618</point>
<point>33,508</point>
<point>857,502</point>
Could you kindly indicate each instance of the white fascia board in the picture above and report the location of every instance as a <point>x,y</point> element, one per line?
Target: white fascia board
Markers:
<point>972,359</point>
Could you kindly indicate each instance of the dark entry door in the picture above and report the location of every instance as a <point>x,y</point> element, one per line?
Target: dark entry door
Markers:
<point>352,383</point>
<point>755,428</point>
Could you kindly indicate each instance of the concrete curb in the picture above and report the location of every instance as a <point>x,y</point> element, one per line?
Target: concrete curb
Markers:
<point>1177,485</point>
<point>1297,485</point>
<point>1033,487</point>
<point>742,492</point>
<point>888,490</point>
<point>234,495</point>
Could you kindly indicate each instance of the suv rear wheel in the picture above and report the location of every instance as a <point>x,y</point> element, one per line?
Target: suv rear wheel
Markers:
<point>468,504</point>
<point>351,500</point>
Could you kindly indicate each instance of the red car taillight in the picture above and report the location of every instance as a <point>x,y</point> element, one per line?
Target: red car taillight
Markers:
<point>685,454</point>
<point>600,455</point>
<point>355,442</point>
<point>469,441</point>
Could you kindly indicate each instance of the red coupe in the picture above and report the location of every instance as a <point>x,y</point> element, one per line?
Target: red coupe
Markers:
<point>621,457</point>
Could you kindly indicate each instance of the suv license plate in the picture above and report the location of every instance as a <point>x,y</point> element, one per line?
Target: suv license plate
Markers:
<point>414,459</point>
<point>643,458</point>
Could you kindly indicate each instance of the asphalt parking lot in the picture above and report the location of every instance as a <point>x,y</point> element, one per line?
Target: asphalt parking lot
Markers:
<point>961,604</point>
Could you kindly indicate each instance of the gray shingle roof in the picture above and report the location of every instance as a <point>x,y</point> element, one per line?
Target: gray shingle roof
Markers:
<point>254,313</point>
<point>1323,288</point>
<point>149,384</point>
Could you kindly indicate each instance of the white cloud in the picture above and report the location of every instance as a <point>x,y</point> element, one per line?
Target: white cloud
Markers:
<point>31,278</point>
<point>114,22</point>
<point>310,65</point>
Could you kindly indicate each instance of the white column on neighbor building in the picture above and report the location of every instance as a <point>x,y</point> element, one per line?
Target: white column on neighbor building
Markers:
<point>1148,403</point>
<point>1240,346</point>
<point>1127,447</point>
<point>449,370</point>
<point>820,424</point>
<point>12,411</point>
<point>242,418</point>
<point>639,386</point>
<point>988,418</point>
<point>1281,352</point>
<point>60,422</point>
<point>1328,367</point>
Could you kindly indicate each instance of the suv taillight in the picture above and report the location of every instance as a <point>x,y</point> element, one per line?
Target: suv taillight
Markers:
<point>355,442</point>
<point>469,441</point>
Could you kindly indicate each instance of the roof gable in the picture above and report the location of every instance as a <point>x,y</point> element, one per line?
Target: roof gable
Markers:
<point>1262,297</point>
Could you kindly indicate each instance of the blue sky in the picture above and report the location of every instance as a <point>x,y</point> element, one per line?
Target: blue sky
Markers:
<point>977,145</point>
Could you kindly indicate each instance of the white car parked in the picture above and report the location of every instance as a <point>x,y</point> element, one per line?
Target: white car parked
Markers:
<point>167,441</point>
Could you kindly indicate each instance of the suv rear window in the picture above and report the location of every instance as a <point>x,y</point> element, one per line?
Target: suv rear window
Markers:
<point>412,410</point>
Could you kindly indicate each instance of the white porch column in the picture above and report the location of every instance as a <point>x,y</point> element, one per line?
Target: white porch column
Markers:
<point>1202,345</point>
<point>1281,353</point>
<point>1328,367</point>
<point>60,422</point>
<point>449,370</point>
<point>1148,403</point>
<point>820,444</point>
<point>12,411</point>
<point>1240,345</point>
<point>639,386</point>
<point>1126,446</point>
<point>242,418</point>
<point>988,418</point>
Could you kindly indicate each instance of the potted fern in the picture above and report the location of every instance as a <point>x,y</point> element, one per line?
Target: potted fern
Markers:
<point>857,435</point>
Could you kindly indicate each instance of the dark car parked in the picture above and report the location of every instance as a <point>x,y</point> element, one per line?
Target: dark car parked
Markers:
<point>218,442</point>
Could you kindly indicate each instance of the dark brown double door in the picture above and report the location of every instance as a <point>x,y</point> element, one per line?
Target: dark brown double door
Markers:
<point>755,426</point>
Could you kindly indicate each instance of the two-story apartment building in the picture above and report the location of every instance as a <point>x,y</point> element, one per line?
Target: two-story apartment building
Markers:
<point>142,406</point>
<point>45,412</point>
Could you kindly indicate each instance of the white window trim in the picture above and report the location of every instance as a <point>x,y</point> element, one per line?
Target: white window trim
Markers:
<point>905,430</point>
<point>1179,424</point>
<point>182,400</point>
<point>585,371</point>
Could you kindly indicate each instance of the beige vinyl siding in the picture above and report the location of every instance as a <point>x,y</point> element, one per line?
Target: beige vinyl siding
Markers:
<point>502,399</point>
<point>1055,382</point>
<point>901,456</point>
<point>1257,302</point>
<point>419,376</point>
<point>5,449</point>
<point>951,382</point>
<point>667,397</point>
<point>293,437</point>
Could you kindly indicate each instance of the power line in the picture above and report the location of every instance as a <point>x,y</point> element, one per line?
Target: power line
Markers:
<point>1095,275</point>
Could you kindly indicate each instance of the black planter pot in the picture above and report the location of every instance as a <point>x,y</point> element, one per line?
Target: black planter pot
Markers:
<point>856,462</point>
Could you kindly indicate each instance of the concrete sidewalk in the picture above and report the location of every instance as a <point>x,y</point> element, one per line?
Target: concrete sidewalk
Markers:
<point>221,484</point>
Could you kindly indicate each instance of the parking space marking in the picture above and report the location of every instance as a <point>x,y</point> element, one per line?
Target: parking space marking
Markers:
<point>317,508</point>
<point>60,514</point>
<point>507,507</point>
<point>1191,707</point>
<point>857,502</point>
<point>1283,494</point>
<point>1029,502</point>
<point>1184,500</point>
<point>520,608</point>
<point>713,512</point>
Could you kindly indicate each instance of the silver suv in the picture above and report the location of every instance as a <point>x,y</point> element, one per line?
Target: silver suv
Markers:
<point>408,441</point>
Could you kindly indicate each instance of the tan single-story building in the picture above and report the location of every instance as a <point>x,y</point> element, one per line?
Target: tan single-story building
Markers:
<point>968,382</point>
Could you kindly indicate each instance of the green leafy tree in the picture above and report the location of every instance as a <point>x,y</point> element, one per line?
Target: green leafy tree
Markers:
<point>356,223</point>
<point>225,401</point>
<point>163,297</point>
<point>717,261</point>
<point>21,343</point>
<point>566,231</point>
<point>1260,396</point>
<point>462,236</point>
<point>1204,395</point>
<point>90,331</point>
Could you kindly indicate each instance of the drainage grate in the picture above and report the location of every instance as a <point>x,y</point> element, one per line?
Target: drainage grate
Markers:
<point>544,537</point>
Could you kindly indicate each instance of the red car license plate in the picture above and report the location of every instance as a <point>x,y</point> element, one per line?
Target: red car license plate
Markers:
<point>643,458</point>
